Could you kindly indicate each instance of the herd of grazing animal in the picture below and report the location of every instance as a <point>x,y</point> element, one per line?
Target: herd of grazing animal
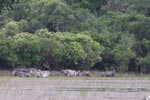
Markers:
<point>33,72</point>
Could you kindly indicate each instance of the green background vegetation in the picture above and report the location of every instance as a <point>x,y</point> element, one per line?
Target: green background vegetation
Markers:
<point>75,34</point>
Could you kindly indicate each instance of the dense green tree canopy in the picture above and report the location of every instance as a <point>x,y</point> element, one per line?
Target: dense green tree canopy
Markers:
<point>75,34</point>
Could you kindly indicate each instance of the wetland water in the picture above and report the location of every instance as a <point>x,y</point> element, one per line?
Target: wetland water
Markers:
<point>59,89</point>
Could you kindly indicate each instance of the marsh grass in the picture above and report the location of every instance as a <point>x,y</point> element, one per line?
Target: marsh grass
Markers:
<point>106,89</point>
<point>74,88</point>
<point>59,87</point>
<point>129,77</point>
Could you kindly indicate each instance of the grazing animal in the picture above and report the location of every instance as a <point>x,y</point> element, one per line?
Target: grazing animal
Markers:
<point>34,72</point>
<point>84,73</point>
<point>109,73</point>
<point>23,70</point>
<point>28,72</point>
<point>45,74</point>
<point>21,74</point>
<point>69,72</point>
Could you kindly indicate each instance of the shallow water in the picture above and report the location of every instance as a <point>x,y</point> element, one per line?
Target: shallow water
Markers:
<point>45,89</point>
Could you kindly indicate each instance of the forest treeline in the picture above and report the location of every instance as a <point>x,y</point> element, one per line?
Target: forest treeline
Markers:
<point>75,34</point>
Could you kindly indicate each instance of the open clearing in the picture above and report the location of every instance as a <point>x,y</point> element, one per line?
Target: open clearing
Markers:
<point>62,88</point>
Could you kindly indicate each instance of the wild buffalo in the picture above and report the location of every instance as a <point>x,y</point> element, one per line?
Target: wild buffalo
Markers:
<point>109,73</point>
<point>84,73</point>
<point>69,72</point>
<point>45,74</point>
<point>28,72</point>
<point>23,70</point>
<point>22,74</point>
<point>35,72</point>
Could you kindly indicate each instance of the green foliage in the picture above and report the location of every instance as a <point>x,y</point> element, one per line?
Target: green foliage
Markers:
<point>92,49</point>
<point>73,54</point>
<point>116,5</point>
<point>55,15</point>
<point>7,49</point>
<point>146,44</point>
<point>136,24</point>
<point>123,52</point>
<point>144,63</point>
<point>122,57</point>
<point>142,48</point>
<point>6,4</point>
<point>11,28</point>
<point>110,21</point>
<point>27,49</point>
<point>21,50</point>
<point>52,50</point>
<point>66,50</point>
<point>93,5</point>
<point>3,20</point>
<point>141,6</point>
<point>23,25</point>
<point>75,34</point>
<point>118,50</point>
